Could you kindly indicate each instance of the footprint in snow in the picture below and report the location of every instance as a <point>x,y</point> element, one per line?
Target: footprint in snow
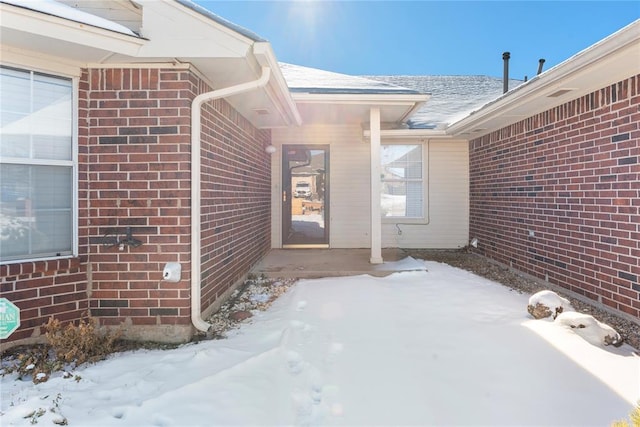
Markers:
<point>316,387</point>
<point>301,305</point>
<point>300,326</point>
<point>118,414</point>
<point>294,362</point>
<point>335,348</point>
<point>307,412</point>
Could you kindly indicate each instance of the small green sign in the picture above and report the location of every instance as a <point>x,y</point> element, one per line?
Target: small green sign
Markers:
<point>9,318</point>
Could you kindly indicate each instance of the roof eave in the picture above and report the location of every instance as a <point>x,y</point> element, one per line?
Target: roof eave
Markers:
<point>18,19</point>
<point>406,134</point>
<point>360,99</point>
<point>352,108</point>
<point>207,14</point>
<point>572,76</point>
<point>278,90</point>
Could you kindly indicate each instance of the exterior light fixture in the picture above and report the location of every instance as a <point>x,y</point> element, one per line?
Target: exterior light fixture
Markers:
<point>270,149</point>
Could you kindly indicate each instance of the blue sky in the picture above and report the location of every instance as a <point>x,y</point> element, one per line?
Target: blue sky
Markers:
<point>428,37</point>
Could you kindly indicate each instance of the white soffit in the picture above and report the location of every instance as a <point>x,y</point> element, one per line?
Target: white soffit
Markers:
<point>355,108</point>
<point>123,12</point>
<point>225,56</point>
<point>33,30</point>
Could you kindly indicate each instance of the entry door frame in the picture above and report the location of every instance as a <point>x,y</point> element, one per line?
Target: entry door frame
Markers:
<point>287,195</point>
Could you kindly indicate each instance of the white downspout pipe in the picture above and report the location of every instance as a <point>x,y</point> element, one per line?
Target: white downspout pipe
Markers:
<point>196,112</point>
<point>376,186</point>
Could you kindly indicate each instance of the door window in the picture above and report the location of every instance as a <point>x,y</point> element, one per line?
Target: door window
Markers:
<point>305,195</point>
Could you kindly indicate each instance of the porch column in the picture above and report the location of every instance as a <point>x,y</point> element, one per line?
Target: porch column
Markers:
<point>376,170</point>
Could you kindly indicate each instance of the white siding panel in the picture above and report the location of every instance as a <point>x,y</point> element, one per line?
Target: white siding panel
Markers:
<point>448,202</point>
<point>349,179</point>
<point>349,194</point>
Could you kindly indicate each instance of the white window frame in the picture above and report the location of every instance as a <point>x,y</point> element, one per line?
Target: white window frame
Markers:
<point>423,219</point>
<point>73,163</point>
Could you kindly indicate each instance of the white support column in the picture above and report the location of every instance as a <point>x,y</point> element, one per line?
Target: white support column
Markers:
<point>376,170</point>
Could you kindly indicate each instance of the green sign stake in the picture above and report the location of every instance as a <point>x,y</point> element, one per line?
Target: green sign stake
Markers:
<point>9,318</point>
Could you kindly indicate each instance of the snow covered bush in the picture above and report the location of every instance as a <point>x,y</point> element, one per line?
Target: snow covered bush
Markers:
<point>547,303</point>
<point>589,328</point>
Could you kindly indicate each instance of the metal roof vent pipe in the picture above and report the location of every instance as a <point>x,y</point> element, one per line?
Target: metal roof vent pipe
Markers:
<point>540,64</point>
<point>505,78</point>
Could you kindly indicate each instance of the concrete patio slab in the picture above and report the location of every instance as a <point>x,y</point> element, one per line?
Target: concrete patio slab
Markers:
<point>314,263</point>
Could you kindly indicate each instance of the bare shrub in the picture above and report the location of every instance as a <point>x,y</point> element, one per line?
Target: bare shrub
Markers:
<point>80,343</point>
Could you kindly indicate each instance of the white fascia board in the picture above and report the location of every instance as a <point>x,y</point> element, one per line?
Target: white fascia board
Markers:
<point>279,90</point>
<point>175,30</point>
<point>360,99</point>
<point>552,80</point>
<point>194,14</point>
<point>39,61</point>
<point>146,65</point>
<point>396,134</point>
<point>52,27</point>
<point>412,111</point>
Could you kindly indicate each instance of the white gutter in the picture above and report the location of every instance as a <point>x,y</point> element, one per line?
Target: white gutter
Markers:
<point>360,98</point>
<point>196,106</point>
<point>409,134</point>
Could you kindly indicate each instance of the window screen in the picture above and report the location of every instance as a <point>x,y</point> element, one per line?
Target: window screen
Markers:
<point>36,165</point>
<point>402,181</point>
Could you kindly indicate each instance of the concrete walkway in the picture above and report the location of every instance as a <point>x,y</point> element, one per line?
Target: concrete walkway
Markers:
<point>313,263</point>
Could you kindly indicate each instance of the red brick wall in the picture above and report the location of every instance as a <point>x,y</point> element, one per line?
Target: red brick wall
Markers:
<point>57,288</point>
<point>134,171</point>
<point>558,195</point>
<point>138,177</point>
<point>43,289</point>
<point>236,193</point>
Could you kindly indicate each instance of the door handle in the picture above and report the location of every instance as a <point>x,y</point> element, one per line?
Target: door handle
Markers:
<point>284,196</point>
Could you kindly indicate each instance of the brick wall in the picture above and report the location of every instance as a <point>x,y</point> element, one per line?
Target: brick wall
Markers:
<point>558,196</point>
<point>57,288</point>
<point>43,289</point>
<point>138,179</point>
<point>134,173</point>
<point>236,197</point>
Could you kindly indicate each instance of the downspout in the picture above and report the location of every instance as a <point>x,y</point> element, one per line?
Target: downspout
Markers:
<point>196,106</point>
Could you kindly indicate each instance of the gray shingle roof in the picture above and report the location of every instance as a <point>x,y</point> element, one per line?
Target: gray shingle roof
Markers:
<point>311,80</point>
<point>452,97</point>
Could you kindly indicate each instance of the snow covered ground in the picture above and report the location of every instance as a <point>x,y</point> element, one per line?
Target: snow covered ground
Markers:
<point>437,347</point>
<point>311,225</point>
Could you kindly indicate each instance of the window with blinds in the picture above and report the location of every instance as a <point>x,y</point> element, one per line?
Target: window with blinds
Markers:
<point>36,165</point>
<point>402,181</point>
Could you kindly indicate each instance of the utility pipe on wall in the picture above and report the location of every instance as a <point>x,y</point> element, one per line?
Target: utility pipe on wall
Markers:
<point>196,112</point>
